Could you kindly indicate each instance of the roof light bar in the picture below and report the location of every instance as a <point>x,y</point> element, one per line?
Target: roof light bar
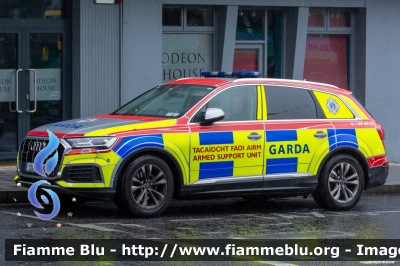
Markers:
<point>208,74</point>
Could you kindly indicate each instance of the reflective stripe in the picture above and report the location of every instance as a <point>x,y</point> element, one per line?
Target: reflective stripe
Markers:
<point>280,135</point>
<point>216,169</point>
<point>355,107</point>
<point>342,138</point>
<point>281,165</point>
<point>129,144</point>
<point>216,138</point>
<point>125,130</point>
<point>264,100</point>
<point>260,106</point>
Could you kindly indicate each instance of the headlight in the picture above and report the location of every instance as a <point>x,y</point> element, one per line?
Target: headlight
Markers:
<point>99,143</point>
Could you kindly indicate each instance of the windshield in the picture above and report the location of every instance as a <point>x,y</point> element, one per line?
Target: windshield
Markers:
<point>169,101</point>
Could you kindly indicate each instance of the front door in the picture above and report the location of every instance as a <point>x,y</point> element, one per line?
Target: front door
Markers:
<point>228,155</point>
<point>31,83</point>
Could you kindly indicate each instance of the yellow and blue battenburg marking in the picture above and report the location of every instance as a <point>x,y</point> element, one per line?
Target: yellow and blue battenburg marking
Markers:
<point>280,135</point>
<point>342,137</point>
<point>216,169</point>
<point>213,138</point>
<point>283,165</point>
<point>129,144</point>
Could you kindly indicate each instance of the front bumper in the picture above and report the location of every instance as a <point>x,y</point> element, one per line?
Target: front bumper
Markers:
<point>377,176</point>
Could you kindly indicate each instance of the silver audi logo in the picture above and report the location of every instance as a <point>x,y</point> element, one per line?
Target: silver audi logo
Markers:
<point>37,146</point>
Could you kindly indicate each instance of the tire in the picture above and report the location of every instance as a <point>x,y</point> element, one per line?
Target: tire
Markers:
<point>146,187</point>
<point>341,183</point>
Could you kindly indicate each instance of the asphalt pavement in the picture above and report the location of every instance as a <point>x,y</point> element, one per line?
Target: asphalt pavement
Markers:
<point>10,192</point>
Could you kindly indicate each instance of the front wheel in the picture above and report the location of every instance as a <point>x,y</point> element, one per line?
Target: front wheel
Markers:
<point>146,187</point>
<point>341,184</point>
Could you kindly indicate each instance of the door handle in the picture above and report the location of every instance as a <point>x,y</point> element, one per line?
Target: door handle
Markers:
<point>254,136</point>
<point>34,91</point>
<point>320,135</point>
<point>16,94</point>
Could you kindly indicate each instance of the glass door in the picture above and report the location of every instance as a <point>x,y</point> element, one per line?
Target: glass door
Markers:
<point>8,93</point>
<point>248,57</point>
<point>45,78</point>
<point>31,84</point>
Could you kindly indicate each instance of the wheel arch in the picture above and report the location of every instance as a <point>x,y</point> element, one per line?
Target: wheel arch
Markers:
<point>350,151</point>
<point>157,152</point>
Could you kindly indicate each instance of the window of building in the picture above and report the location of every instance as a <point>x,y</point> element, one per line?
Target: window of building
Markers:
<point>48,9</point>
<point>172,16</point>
<point>329,47</point>
<point>250,25</point>
<point>316,17</point>
<point>259,41</point>
<point>246,59</point>
<point>188,17</point>
<point>339,18</point>
<point>289,103</point>
<point>200,17</point>
<point>274,44</point>
<point>188,41</point>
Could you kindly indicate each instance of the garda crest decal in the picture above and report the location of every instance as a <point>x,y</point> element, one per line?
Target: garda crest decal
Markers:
<point>332,105</point>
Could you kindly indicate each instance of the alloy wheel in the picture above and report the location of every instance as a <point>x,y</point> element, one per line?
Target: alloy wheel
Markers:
<point>148,186</point>
<point>343,182</point>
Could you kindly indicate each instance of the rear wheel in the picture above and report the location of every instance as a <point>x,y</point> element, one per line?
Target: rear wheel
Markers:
<point>341,184</point>
<point>146,187</point>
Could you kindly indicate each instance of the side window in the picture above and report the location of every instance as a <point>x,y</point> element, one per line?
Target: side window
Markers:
<point>333,106</point>
<point>238,104</point>
<point>289,103</point>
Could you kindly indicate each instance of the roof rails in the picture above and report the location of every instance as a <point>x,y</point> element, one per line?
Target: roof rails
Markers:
<point>295,80</point>
<point>243,75</point>
<point>224,74</point>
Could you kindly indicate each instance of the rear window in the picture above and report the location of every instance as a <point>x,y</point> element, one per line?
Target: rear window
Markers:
<point>333,106</point>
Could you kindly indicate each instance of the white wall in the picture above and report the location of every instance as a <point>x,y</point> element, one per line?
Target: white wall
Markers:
<point>142,47</point>
<point>383,70</point>
<point>99,59</point>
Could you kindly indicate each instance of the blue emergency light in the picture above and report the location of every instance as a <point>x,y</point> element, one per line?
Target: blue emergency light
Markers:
<point>224,74</point>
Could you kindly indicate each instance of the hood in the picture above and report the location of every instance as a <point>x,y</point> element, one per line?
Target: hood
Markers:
<point>97,125</point>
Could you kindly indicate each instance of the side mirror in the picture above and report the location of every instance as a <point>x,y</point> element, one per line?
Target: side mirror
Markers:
<point>212,115</point>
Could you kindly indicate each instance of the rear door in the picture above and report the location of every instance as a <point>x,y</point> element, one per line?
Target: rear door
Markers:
<point>296,133</point>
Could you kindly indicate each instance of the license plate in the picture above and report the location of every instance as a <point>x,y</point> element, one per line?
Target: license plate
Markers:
<point>29,167</point>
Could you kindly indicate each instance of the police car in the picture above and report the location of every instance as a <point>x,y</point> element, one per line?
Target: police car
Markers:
<point>256,138</point>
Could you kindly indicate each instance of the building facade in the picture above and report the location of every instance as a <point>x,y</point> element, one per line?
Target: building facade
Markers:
<point>88,57</point>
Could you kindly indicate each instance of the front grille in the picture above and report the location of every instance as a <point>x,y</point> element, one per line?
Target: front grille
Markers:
<point>81,174</point>
<point>26,155</point>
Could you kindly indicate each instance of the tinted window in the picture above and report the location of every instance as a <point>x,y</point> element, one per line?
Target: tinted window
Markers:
<point>200,17</point>
<point>289,103</point>
<point>171,16</point>
<point>238,104</point>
